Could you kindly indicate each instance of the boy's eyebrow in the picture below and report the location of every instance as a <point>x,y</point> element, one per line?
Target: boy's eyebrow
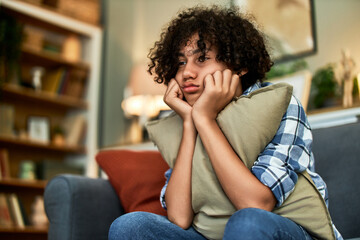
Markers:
<point>190,53</point>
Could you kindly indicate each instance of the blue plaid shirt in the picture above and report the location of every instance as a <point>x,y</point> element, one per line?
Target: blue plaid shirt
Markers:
<point>288,153</point>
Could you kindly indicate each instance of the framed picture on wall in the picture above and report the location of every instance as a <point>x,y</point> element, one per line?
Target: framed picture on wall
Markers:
<point>289,26</point>
<point>39,128</point>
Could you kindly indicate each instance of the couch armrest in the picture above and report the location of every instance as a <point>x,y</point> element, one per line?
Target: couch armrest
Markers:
<point>80,208</point>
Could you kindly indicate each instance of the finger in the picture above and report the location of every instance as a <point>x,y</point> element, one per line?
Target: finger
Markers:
<point>173,90</point>
<point>209,81</point>
<point>218,79</point>
<point>236,85</point>
<point>235,82</point>
<point>227,78</point>
<point>169,89</point>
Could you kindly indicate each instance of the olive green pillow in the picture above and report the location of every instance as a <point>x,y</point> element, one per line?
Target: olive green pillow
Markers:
<point>249,123</point>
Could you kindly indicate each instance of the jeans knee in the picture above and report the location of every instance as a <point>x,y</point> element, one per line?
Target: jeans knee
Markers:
<point>246,222</point>
<point>128,224</point>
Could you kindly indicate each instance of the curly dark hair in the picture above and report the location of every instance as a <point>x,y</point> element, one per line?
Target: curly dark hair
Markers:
<point>240,45</point>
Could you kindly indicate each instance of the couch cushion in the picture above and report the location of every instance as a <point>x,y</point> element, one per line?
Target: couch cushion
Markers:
<point>137,177</point>
<point>337,155</point>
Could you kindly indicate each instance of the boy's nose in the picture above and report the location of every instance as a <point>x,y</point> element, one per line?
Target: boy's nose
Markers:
<point>189,71</point>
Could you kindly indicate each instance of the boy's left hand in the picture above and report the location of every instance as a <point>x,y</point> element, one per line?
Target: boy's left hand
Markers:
<point>219,89</point>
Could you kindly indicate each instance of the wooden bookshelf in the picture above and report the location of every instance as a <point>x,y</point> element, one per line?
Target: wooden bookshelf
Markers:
<point>50,59</point>
<point>26,233</point>
<point>21,183</point>
<point>27,94</point>
<point>56,105</point>
<point>16,142</point>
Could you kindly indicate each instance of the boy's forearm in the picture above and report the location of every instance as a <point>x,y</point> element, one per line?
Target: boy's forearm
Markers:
<point>178,192</point>
<point>240,185</point>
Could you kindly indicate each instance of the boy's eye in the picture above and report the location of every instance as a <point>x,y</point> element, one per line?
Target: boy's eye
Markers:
<point>203,58</point>
<point>181,63</point>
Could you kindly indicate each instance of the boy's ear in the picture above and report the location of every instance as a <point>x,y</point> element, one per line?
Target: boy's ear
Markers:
<point>242,72</point>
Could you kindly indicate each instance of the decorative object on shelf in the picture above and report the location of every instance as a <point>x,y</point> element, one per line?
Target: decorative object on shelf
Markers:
<point>324,88</point>
<point>71,50</point>
<point>39,129</point>
<point>33,38</point>
<point>143,100</point>
<point>58,138</point>
<point>345,74</point>
<point>38,217</point>
<point>37,73</point>
<point>301,82</point>
<point>27,170</point>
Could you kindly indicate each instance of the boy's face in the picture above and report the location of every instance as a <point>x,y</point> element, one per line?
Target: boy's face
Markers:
<point>193,67</point>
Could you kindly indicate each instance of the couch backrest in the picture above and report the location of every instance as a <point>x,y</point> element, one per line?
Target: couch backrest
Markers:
<point>337,160</point>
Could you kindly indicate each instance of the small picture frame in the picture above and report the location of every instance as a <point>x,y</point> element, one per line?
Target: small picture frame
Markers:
<point>39,128</point>
<point>301,82</point>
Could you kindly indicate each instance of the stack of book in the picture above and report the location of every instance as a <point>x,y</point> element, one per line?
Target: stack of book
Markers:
<point>63,81</point>
<point>12,213</point>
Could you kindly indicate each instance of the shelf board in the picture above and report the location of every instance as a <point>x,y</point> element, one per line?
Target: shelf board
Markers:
<point>22,183</point>
<point>54,99</point>
<point>27,229</point>
<point>334,116</point>
<point>41,146</point>
<point>48,58</point>
<point>50,18</point>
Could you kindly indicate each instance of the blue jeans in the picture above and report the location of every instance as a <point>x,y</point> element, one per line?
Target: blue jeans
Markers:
<point>249,223</point>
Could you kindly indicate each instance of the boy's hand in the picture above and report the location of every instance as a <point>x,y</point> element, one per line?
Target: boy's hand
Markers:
<point>173,97</point>
<point>219,89</point>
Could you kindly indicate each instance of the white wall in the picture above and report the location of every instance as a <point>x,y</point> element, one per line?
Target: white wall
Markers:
<point>134,25</point>
<point>338,27</point>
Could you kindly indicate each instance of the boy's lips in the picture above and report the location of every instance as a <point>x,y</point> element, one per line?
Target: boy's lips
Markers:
<point>190,88</point>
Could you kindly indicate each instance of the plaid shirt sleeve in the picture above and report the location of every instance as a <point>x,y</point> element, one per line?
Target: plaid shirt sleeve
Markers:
<point>289,152</point>
<point>163,190</point>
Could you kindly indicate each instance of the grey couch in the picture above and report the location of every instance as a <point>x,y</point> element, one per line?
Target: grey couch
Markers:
<point>83,208</point>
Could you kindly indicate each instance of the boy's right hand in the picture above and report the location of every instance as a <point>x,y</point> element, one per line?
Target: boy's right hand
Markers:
<point>173,97</point>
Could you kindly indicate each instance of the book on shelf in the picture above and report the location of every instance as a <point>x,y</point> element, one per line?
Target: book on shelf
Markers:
<point>5,217</point>
<point>74,126</point>
<point>15,210</point>
<point>53,79</point>
<point>7,117</point>
<point>68,82</point>
<point>74,85</point>
<point>4,164</point>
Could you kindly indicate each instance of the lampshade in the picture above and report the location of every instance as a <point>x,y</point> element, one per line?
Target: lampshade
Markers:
<point>142,83</point>
<point>143,96</point>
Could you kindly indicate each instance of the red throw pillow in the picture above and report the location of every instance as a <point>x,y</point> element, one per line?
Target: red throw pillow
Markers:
<point>137,177</point>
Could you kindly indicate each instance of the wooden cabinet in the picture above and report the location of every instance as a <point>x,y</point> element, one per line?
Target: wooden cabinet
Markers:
<point>56,106</point>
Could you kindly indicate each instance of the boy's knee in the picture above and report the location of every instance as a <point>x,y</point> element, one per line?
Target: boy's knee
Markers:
<point>128,224</point>
<point>245,222</point>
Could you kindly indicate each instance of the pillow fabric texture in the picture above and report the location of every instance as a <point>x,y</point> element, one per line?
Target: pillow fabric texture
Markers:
<point>249,124</point>
<point>136,176</point>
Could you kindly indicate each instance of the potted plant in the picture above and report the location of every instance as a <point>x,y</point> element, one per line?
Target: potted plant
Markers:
<point>324,87</point>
